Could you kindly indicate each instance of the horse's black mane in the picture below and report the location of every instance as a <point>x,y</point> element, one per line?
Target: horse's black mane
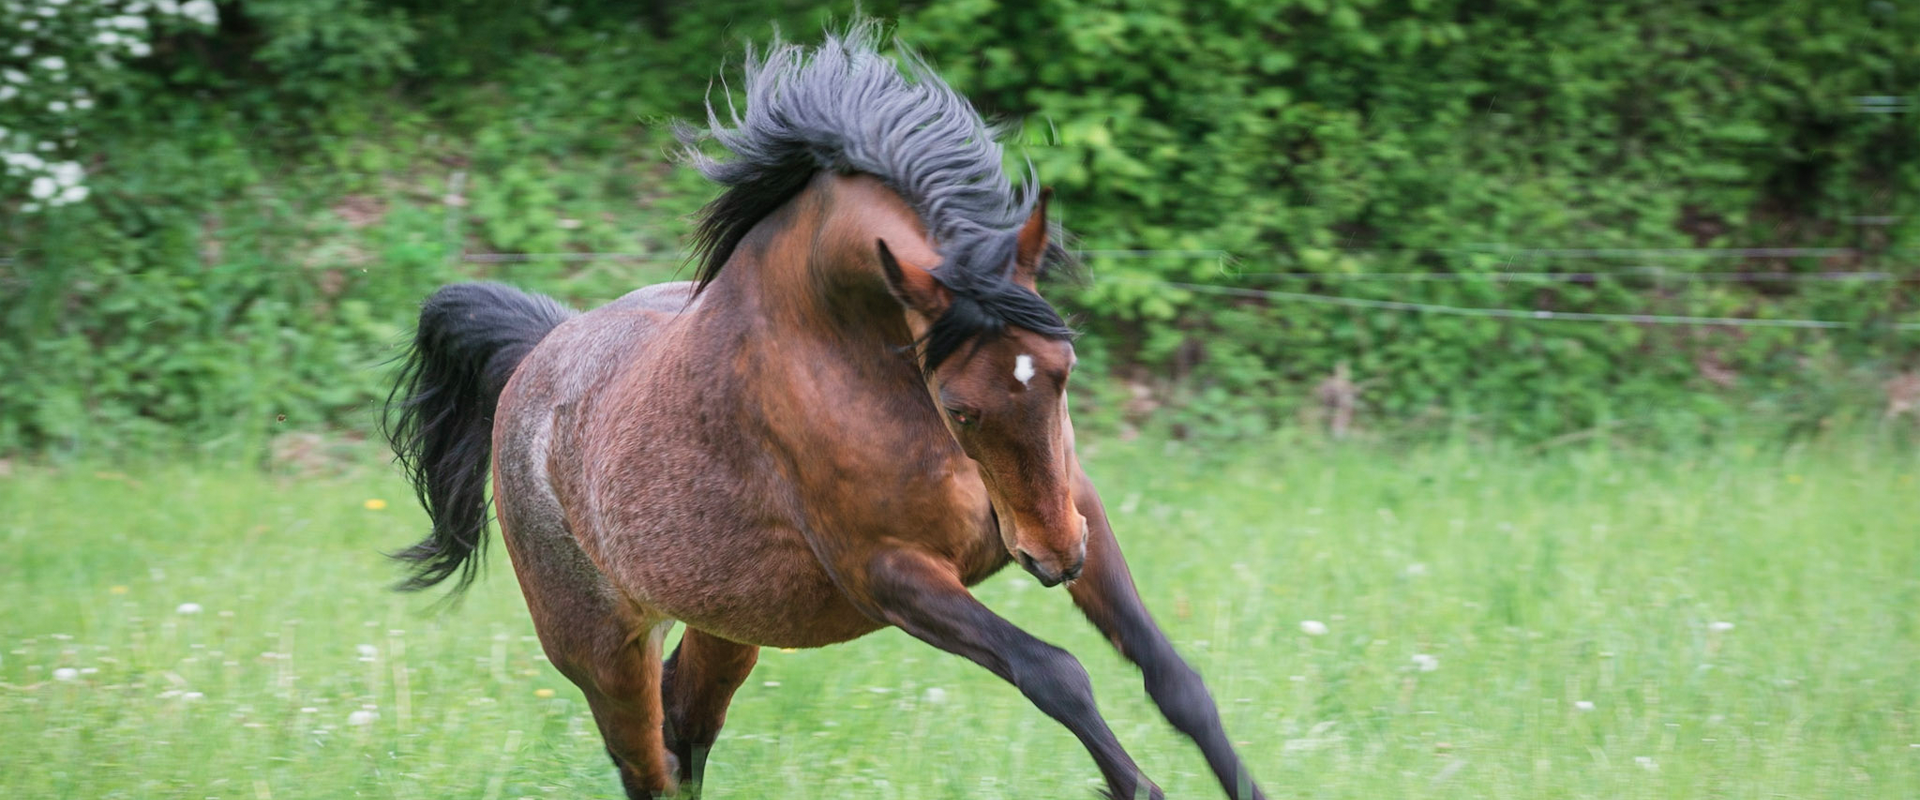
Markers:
<point>846,108</point>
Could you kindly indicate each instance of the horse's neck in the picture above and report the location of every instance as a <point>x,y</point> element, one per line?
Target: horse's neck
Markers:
<point>803,300</point>
<point>810,271</point>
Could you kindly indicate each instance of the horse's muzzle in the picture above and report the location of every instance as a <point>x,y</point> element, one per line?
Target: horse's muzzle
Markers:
<point>1051,575</point>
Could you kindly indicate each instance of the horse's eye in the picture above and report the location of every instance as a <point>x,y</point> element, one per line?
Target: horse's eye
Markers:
<point>962,417</point>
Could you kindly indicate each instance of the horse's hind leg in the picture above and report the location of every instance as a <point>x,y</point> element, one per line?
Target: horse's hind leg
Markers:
<point>623,689</point>
<point>699,682</point>
<point>599,641</point>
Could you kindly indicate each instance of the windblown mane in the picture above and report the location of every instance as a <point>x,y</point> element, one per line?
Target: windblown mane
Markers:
<point>844,107</point>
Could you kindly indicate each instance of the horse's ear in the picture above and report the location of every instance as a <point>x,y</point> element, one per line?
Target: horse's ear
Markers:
<point>914,287</point>
<point>1031,247</point>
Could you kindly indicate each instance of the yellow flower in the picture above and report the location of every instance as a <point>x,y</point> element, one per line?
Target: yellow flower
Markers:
<point>543,693</point>
<point>375,504</point>
<point>118,590</point>
<point>788,650</point>
<point>1793,479</point>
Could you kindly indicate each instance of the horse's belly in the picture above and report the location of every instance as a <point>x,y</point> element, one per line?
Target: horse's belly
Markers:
<point>762,588</point>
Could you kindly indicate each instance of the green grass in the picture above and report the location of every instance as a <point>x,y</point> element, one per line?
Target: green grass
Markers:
<point>1537,583</point>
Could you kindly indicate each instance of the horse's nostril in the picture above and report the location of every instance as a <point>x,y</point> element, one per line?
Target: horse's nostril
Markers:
<point>1074,571</point>
<point>1047,577</point>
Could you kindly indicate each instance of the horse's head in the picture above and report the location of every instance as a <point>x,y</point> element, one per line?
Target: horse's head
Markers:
<point>995,358</point>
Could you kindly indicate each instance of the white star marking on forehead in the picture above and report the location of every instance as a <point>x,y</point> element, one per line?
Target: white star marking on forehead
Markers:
<point>1023,369</point>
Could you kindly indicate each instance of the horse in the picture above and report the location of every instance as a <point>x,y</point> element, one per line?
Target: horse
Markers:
<point>856,411</point>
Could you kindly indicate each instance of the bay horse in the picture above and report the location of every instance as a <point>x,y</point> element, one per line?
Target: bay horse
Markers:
<point>855,412</point>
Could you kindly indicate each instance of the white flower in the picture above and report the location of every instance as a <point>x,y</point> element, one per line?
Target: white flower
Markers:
<point>29,24</point>
<point>1583,706</point>
<point>83,103</point>
<point>368,652</point>
<point>129,22</point>
<point>8,92</point>
<point>201,11</point>
<point>26,161</point>
<point>71,194</point>
<point>42,188</point>
<point>66,674</point>
<point>139,49</point>
<point>1647,763</point>
<point>1313,628</point>
<point>1719,627</point>
<point>1425,662</point>
<point>52,63</point>
<point>188,608</point>
<point>13,75</point>
<point>1415,570</point>
<point>362,717</point>
<point>936,696</point>
<point>108,38</point>
<point>57,106</point>
<point>21,50</point>
<point>192,696</point>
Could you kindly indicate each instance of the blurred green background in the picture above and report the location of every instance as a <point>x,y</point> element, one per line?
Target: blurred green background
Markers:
<point>1414,553</point>
<point>273,184</point>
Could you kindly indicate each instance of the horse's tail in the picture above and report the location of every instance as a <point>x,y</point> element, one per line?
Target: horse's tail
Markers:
<point>439,416</point>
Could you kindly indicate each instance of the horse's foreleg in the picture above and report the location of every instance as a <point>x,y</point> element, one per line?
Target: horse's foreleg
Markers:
<point>1106,594</point>
<point>926,599</point>
<point>696,685</point>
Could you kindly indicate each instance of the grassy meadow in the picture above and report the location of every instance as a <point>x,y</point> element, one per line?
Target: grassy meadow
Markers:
<point>1737,622</point>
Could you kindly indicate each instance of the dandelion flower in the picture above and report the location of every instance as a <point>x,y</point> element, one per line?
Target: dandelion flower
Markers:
<point>368,652</point>
<point>375,504</point>
<point>362,717</point>
<point>543,693</point>
<point>1425,662</point>
<point>1583,706</point>
<point>66,674</point>
<point>188,608</point>
<point>936,695</point>
<point>117,590</point>
<point>1313,627</point>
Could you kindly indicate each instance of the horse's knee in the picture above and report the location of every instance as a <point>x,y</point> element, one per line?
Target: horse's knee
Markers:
<point>1056,682</point>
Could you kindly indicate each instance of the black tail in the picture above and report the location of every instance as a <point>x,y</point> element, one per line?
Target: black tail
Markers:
<point>439,416</point>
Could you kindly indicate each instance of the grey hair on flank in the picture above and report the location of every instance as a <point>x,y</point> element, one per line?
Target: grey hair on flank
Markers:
<point>844,107</point>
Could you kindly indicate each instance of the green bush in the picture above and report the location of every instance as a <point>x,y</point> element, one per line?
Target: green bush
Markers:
<point>270,198</point>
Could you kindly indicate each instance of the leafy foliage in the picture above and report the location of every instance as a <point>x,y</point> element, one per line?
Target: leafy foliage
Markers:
<point>269,199</point>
